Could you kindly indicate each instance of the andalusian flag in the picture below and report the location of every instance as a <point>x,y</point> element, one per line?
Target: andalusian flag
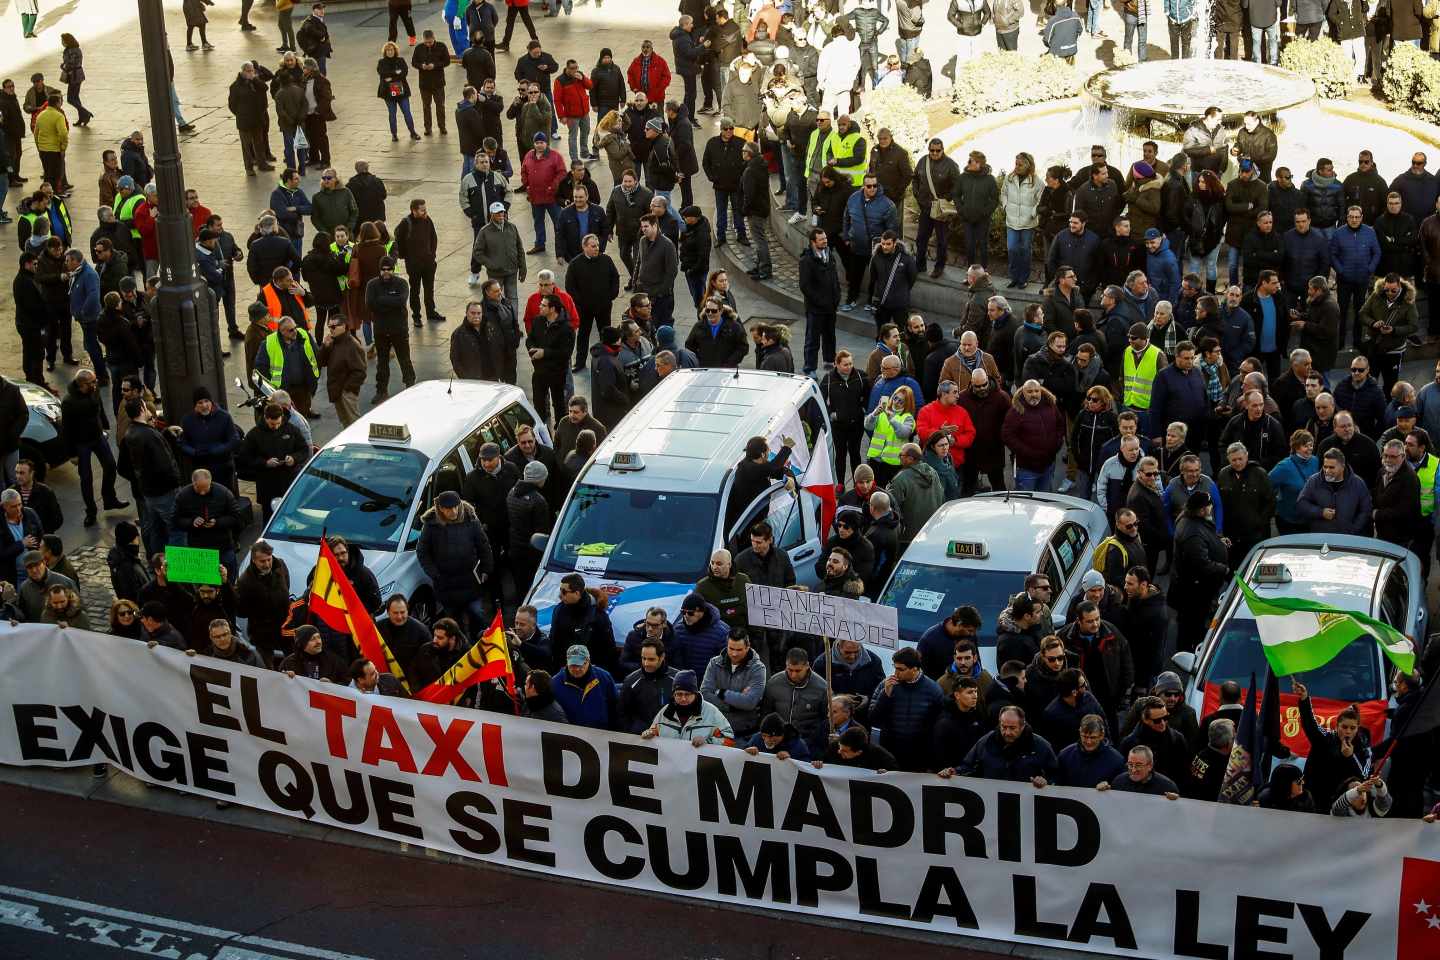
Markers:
<point>1302,635</point>
<point>334,601</point>
<point>488,659</point>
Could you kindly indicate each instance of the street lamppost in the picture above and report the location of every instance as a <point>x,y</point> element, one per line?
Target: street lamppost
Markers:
<point>187,331</point>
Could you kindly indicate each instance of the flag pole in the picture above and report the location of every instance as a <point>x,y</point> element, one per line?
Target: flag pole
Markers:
<point>829,685</point>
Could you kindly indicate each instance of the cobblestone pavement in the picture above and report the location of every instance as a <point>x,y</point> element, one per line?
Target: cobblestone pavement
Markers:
<point>114,90</point>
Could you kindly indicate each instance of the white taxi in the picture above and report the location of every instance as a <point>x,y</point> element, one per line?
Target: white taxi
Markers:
<point>378,476</point>
<point>979,550</point>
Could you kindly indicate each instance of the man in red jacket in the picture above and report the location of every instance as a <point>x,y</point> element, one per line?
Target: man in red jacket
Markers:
<point>541,172</point>
<point>649,74</point>
<point>572,108</point>
<point>945,414</point>
<point>1034,431</point>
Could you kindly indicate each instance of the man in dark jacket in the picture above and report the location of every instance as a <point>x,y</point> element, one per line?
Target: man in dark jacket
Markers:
<point>820,288</point>
<point>487,490</point>
<point>250,105</point>
<point>700,633</point>
<point>724,164</point>
<point>549,345</point>
<point>646,688</point>
<point>276,452</point>
<point>207,514</point>
<point>527,513</point>
<point>1013,751</point>
<point>83,426</point>
<point>385,298</point>
<point>368,191</point>
<point>609,395</point>
<point>1201,569</point>
<point>1103,654</point>
<point>417,243</point>
<point>147,461</point>
<point>719,339</point>
<point>455,554</point>
<point>430,59</point>
<point>903,710</point>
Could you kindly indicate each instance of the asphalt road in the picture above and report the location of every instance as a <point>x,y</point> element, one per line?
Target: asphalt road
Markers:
<point>88,879</point>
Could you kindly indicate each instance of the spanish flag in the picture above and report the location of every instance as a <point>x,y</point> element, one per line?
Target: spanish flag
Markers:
<point>487,659</point>
<point>334,601</point>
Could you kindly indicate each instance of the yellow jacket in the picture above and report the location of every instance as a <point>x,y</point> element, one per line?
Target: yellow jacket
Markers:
<point>52,131</point>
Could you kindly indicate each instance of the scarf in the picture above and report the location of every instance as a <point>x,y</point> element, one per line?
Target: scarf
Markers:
<point>1326,182</point>
<point>969,363</point>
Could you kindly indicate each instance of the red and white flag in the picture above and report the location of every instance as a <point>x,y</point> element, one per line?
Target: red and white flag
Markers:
<point>1418,936</point>
<point>813,473</point>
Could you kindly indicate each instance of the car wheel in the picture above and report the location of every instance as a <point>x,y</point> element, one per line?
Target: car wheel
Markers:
<point>31,451</point>
<point>422,606</point>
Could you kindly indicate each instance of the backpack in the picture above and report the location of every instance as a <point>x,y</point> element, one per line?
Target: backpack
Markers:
<point>1098,562</point>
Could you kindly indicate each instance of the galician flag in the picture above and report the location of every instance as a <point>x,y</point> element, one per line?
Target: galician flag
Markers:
<point>1303,635</point>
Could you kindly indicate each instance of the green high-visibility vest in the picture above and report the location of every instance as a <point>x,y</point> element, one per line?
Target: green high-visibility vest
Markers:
<point>1139,378</point>
<point>855,169</point>
<point>125,211</point>
<point>275,352</point>
<point>884,444</point>
<point>1427,484</point>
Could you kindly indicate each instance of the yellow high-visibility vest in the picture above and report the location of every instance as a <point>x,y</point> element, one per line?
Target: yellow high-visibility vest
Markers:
<point>1140,378</point>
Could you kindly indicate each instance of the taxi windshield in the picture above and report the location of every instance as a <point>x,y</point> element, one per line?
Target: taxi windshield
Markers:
<point>639,534</point>
<point>1352,676</point>
<point>355,491</point>
<point>925,594</point>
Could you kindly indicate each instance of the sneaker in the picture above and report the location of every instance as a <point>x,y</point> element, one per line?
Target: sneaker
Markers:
<point>191,46</point>
<point>437,318</point>
<point>848,306</point>
<point>207,46</point>
<point>869,308</point>
<point>412,41</point>
<point>795,218</point>
<point>474,279</point>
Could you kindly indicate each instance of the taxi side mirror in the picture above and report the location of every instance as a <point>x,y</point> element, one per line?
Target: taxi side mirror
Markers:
<point>1184,661</point>
<point>539,541</point>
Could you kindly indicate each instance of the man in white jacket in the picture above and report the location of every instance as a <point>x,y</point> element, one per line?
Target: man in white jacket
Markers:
<point>839,68</point>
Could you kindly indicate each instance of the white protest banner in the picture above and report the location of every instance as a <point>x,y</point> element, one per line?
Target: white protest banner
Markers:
<point>1111,873</point>
<point>821,615</point>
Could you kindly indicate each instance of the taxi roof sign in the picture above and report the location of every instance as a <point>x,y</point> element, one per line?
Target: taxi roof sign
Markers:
<point>1272,573</point>
<point>627,461</point>
<point>390,432</point>
<point>966,550</point>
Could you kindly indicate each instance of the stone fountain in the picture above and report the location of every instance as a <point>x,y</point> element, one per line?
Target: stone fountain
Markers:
<point>1123,106</point>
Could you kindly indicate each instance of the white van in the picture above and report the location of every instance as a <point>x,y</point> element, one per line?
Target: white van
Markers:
<point>648,509</point>
<point>378,476</point>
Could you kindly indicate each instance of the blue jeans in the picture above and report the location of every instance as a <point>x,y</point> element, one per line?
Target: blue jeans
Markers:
<point>725,201</point>
<point>404,104</point>
<point>156,521</point>
<point>904,47</point>
<point>320,65</point>
<point>695,280</point>
<point>537,213</point>
<point>175,108</point>
<point>1020,245</point>
<point>289,136</point>
<point>1271,34</point>
<point>4,189</point>
<point>1092,17</point>
<point>1233,262</point>
<point>1134,26</point>
<point>1038,480</point>
<point>467,163</point>
<point>579,136</point>
<point>795,191</point>
<point>555,7</point>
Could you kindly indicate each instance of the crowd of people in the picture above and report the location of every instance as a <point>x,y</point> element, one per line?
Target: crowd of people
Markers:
<point>1197,410</point>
